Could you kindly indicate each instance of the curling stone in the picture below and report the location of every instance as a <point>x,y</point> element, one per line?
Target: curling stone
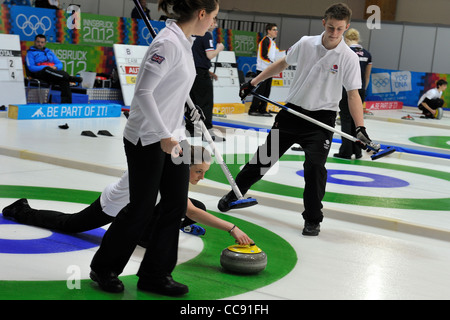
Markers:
<point>247,259</point>
<point>408,117</point>
<point>439,113</point>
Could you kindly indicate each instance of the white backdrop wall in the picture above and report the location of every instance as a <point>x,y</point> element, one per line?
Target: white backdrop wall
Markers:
<point>396,45</point>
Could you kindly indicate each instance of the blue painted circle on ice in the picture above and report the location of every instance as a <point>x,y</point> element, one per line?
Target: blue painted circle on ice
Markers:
<point>375,180</point>
<point>55,243</point>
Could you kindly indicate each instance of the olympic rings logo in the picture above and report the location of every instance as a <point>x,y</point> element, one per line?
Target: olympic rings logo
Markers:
<point>381,82</point>
<point>30,25</point>
<point>146,34</point>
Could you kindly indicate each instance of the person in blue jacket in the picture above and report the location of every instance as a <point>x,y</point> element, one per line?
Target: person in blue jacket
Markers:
<point>43,64</point>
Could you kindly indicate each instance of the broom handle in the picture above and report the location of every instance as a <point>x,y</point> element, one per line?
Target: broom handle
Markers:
<point>371,146</point>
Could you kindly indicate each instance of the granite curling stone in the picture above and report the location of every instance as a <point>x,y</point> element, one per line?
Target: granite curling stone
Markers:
<point>244,259</point>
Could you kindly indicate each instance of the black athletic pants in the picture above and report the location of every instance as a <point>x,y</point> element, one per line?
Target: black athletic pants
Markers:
<point>89,218</point>
<point>150,170</point>
<point>59,77</point>
<point>433,104</point>
<point>263,89</point>
<point>348,147</point>
<point>202,94</point>
<point>315,142</point>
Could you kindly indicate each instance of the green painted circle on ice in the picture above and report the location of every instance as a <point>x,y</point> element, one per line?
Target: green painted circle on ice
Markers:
<point>203,274</point>
<point>442,142</point>
<point>235,161</point>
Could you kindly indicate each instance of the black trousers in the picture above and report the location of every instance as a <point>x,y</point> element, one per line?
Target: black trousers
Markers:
<point>433,104</point>
<point>348,147</point>
<point>89,218</point>
<point>150,171</point>
<point>287,130</point>
<point>264,89</point>
<point>202,94</point>
<point>59,77</point>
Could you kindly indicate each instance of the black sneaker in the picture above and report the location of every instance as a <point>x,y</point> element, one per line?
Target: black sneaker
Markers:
<point>164,285</point>
<point>264,113</point>
<point>255,113</point>
<point>224,202</point>
<point>107,281</point>
<point>341,156</point>
<point>13,209</point>
<point>311,229</point>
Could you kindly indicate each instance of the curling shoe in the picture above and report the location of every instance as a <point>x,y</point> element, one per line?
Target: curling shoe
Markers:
<point>15,208</point>
<point>194,230</point>
<point>224,202</point>
<point>107,281</point>
<point>311,229</point>
<point>163,285</point>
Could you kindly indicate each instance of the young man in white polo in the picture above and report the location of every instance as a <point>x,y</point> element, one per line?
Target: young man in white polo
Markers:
<point>324,64</point>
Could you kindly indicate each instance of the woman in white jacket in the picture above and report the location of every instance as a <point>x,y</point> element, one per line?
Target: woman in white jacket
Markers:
<point>154,138</point>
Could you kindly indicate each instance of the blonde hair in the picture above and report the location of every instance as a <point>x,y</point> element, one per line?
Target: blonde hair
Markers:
<point>352,35</point>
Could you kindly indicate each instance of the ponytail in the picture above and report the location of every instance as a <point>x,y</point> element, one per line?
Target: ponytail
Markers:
<point>183,10</point>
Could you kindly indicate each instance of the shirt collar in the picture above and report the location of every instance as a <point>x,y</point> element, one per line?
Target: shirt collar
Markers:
<point>338,48</point>
<point>171,25</point>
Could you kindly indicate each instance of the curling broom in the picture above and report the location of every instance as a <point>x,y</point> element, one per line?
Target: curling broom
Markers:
<point>378,153</point>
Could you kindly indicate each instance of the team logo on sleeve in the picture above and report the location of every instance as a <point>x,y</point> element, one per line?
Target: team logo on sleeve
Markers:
<point>157,58</point>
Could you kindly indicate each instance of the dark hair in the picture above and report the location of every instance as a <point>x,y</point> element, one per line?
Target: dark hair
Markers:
<point>338,11</point>
<point>441,82</point>
<point>269,26</point>
<point>40,36</point>
<point>183,10</point>
<point>199,155</point>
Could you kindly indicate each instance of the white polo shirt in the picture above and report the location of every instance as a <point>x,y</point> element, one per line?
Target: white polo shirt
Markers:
<point>165,78</point>
<point>430,94</point>
<point>115,196</point>
<point>321,73</point>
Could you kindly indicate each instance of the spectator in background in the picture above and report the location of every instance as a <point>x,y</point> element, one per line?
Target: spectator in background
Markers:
<point>202,92</point>
<point>349,148</point>
<point>431,100</point>
<point>44,65</point>
<point>50,4</point>
<point>266,55</point>
<point>135,13</point>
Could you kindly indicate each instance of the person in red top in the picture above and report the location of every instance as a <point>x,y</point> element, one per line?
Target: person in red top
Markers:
<point>267,54</point>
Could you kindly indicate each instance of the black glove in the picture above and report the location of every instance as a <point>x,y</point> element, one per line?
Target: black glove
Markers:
<point>365,141</point>
<point>245,89</point>
<point>195,115</point>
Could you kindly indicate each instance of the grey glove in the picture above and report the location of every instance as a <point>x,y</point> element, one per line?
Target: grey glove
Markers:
<point>362,135</point>
<point>365,141</point>
<point>195,115</point>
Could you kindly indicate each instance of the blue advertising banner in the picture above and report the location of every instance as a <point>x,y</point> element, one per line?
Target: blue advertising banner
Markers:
<point>63,111</point>
<point>145,37</point>
<point>27,22</point>
<point>246,64</point>
<point>395,85</point>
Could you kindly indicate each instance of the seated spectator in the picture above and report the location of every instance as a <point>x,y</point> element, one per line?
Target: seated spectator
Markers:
<point>44,65</point>
<point>135,13</point>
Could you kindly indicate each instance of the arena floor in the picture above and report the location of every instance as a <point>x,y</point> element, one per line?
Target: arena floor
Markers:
<point>385,236</point>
